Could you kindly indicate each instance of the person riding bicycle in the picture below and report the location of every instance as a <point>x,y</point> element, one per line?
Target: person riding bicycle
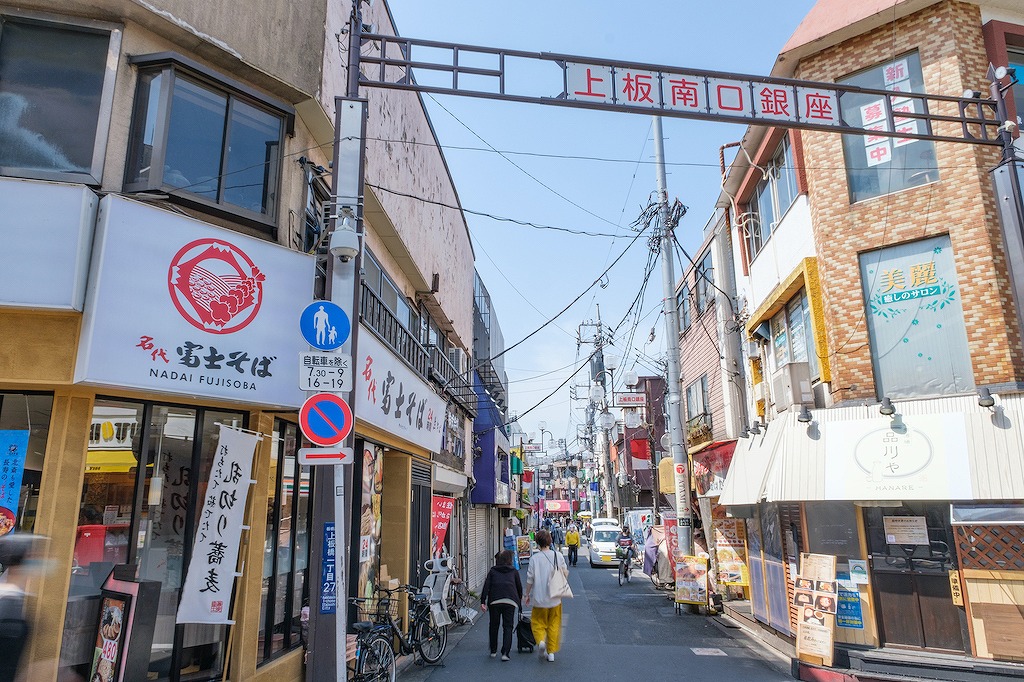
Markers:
<point>625,543</point>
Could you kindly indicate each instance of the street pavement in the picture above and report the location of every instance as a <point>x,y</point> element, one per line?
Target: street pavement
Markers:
<point>613,632</point>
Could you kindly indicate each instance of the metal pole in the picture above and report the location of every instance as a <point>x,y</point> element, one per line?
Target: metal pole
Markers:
<point>327,641</point>
<point>684,512</point>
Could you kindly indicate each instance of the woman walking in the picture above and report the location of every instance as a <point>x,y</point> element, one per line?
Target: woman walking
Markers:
<point>501,595</point>
<point>547,610</point>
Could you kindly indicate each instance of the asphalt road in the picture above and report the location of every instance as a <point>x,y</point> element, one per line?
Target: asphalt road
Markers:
<point>612,632</point>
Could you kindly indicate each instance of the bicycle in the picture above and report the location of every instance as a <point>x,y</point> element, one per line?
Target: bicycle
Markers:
<point>625,564</point>
<point>381,613</point>
<point>375,657</point>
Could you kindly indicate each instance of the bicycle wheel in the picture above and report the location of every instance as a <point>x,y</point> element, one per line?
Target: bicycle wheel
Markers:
<point>376,661</point>
<point>430,639</point>
<point>622,569</point>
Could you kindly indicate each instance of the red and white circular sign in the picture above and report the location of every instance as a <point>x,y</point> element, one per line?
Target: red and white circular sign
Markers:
<point>215,286</point>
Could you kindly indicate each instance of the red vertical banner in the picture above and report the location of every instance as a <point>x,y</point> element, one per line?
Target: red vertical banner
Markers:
<point>441,511</point>
<point>672,539</point>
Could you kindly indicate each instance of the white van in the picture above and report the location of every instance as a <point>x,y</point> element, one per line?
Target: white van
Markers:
<point>603,540</point>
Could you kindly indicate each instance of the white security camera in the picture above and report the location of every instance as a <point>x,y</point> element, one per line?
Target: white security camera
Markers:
<point>344,244</point>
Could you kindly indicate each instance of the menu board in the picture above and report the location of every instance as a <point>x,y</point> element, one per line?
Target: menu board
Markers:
<point>815,595</point>
<point>106,662</point>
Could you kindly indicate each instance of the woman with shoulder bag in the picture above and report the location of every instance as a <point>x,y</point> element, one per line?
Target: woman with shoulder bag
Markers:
<point>547,608</point>
<point>501,595</point>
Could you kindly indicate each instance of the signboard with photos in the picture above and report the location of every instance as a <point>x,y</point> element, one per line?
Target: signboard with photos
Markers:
<point>815,595</point>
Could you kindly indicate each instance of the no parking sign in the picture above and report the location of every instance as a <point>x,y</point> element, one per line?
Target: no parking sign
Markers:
<point>325,419</point>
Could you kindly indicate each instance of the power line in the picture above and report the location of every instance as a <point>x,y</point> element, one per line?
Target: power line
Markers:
<point>525,223</point>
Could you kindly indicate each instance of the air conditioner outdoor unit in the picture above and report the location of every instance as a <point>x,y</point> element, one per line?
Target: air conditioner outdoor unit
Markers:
<point>791,385</point>
<point>760,391</point>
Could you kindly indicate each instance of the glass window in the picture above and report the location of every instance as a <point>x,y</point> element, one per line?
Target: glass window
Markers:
<point>286,547</point>
<point>772,197</point>
<point>199,140</point>
<point>882,165</point>
<point>54,85</point>
<point>683,301</point>
<point>372,273</point>
<point>1016,60</point>
<point>152,527</point>
<point>704,278</point>
<point>793,334</point>
<point>25,425</point>
<point>697,411</point>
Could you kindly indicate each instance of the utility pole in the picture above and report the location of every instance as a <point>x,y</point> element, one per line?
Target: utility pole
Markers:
<point>329,617</point>
<point>605,451</point>
<point>684,513</point>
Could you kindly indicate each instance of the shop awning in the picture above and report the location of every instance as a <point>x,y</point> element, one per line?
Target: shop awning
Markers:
<point>931,449</point>
<point>751,460</point>
<point>449,480</point>
<point>556,505</point>
<point>110,461</point>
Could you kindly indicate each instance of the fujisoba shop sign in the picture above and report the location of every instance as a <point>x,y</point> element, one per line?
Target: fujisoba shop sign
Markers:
<point>178,306</point>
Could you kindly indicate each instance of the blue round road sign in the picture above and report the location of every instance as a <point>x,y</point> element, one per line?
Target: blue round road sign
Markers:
<point>324,325</point>
<point>325,419</point>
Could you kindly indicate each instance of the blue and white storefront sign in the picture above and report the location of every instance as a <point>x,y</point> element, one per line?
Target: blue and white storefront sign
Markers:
<point>324,325</point>
<point>392,397</point>
<point>178,306</point>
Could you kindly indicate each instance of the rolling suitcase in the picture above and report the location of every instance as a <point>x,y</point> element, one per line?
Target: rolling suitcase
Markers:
<point>524,635</point>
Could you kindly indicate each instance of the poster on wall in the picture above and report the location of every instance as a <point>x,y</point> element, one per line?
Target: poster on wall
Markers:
<point>731,551</point>
<point>370,524</point>
<point>441,509</point>
<point>691,580</point>
<point>106,661</point>
<point>13,448</point>
<point>210,580</point>
<point>639,522</point>
<point>191,309</point>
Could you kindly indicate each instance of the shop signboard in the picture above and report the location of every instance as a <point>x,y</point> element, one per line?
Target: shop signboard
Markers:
<point>209,583</point>
<point>179,306</point>
<point>13,448</point>
<point>393,398</point>
<point>524,546</point>
<point>922,457</point>
<point>710,467</point>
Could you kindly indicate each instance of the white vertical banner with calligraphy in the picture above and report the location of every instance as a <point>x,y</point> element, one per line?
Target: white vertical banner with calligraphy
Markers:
<point>209,583</point>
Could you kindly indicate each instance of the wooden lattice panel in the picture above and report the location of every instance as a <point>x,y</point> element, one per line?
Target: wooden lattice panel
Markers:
<point>991,548</point>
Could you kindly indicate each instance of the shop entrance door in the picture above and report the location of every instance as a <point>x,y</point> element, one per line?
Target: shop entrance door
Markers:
<point>912,552</point>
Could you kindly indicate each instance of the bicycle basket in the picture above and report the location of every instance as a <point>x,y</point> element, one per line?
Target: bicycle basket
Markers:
<point>375,609</point>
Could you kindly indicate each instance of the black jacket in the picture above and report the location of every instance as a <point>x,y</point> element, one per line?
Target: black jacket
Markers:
<point>502,583</point>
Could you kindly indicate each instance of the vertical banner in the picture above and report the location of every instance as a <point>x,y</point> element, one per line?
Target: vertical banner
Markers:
<point>209,584</point>
<point>440,516</point>
<point>13,448</point>
<point>370,522</point>
<point>672,540</point>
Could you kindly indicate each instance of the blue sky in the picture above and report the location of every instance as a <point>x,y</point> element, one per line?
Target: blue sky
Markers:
<point>584,170</point>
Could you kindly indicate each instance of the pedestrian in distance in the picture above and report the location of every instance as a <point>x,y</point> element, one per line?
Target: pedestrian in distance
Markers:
<point>547,610</point>
<point>558,536</point>
<point>572,541</point>
<point>501,595</point>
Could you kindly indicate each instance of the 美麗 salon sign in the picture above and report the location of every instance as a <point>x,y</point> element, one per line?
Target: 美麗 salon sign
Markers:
<point>178,306</point>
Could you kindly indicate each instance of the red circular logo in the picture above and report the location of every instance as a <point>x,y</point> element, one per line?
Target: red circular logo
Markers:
<point>215,286</point>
